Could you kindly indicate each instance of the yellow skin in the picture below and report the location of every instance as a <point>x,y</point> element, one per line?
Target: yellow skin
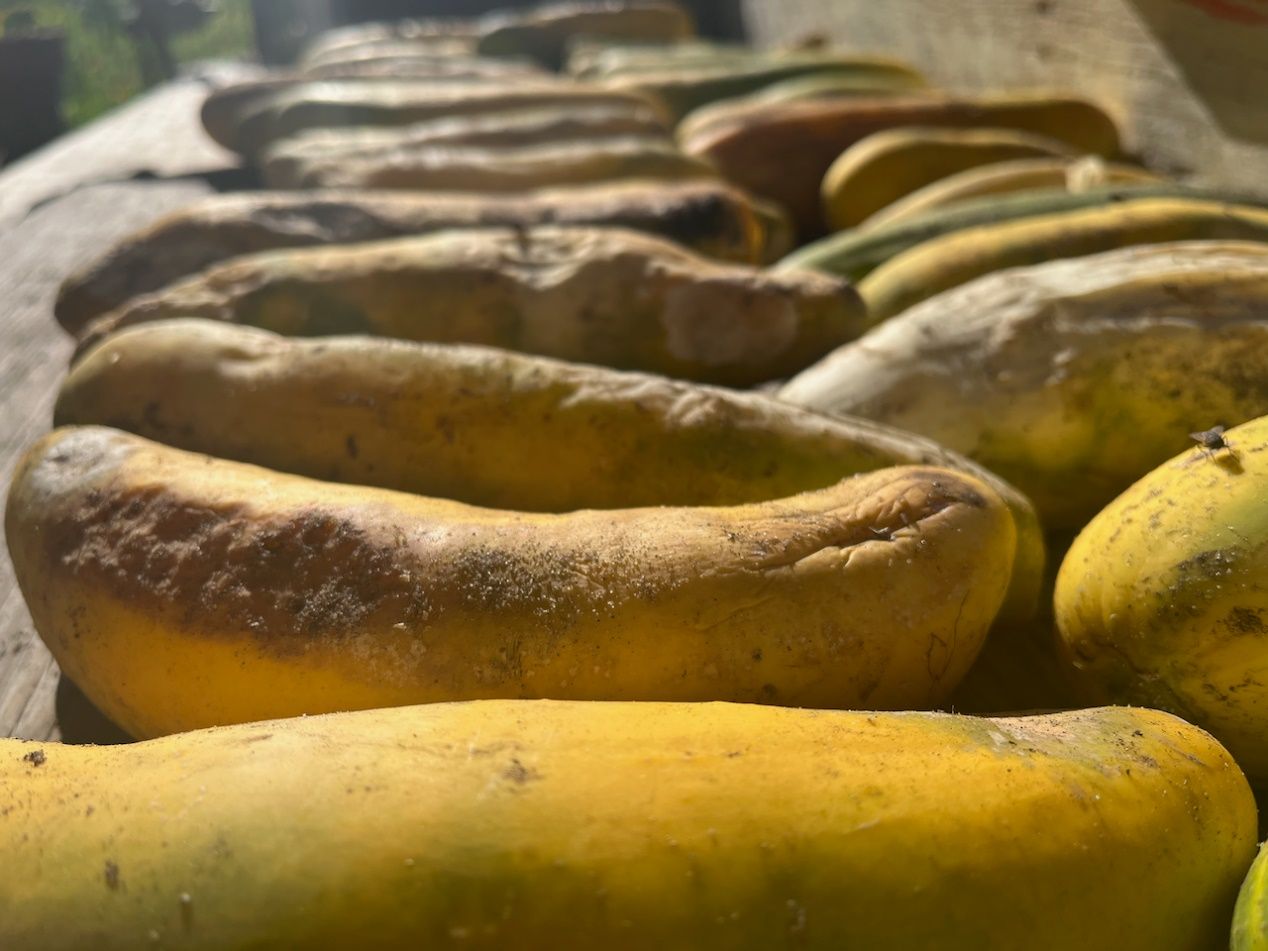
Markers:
<point>782,150</point>
<point>685,89</point>
<point>594,295</point>
<point>1006,178</point>
<point>883,168</point>
<point>500,169</point>
<point>938,265</point>
<point>1163,598</point>
<point>829,86</point>
<point>555,825</point>
<point>181,591</point>
<point>443,420</point>
<point>1070,379</point>
<point>708,217</point>
<point>283,163</point>
<point>1250,919</point>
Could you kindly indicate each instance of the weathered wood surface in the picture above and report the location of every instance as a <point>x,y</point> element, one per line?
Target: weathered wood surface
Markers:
<point>1188,79</point>
<point>43,238</point>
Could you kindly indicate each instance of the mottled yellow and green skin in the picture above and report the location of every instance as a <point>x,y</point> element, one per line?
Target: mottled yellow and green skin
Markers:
<point>889,165</point>
<point>1250,918</point>
<point>955,259</point>
<point>1073,378</point>
<point>685,89</point>
<point>182,591</point>
<point>1024,175</point>
<point>556,825</point>
<point>1163,599</point>
<point>856,253</point>
<point>444,421</point>
<point>605,296</point>
<point>1070,379</point>
<point>821,86</point>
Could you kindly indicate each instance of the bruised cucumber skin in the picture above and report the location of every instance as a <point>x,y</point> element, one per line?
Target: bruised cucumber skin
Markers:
<point>605,296</point>
<point>181,591</point>
<point>442,420</point>
<point>710,218</point>
<point>1163,598</point>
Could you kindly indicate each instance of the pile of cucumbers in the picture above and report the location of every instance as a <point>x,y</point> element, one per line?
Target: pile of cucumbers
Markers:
<point>617,489</point>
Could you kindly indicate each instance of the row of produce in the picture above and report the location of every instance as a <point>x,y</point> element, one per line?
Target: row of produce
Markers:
<point>456,411</point>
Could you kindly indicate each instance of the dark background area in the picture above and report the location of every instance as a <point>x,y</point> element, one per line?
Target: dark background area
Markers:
<point>284,26</point>
<point>64,62</point>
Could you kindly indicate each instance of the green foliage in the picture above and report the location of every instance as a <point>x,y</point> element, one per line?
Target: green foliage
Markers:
<point>105,66</point>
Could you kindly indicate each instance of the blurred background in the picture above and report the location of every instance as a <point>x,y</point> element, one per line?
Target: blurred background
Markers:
<point>64,62</point>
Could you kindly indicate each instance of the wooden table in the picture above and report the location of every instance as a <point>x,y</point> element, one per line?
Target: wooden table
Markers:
<point>59,209</point>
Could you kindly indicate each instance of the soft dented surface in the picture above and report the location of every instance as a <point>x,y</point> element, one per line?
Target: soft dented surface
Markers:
<point>544,825</point>
<point>442,420</point>
<point>285,163</point>
<point>593,295</point>
<point>248,118</point>
<point>259,594</point>
<point>1070,379</point>
<point>500,168</point>
<point>709,217</point>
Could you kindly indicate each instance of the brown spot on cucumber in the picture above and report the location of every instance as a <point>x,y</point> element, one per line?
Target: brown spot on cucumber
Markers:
<point>1245,621</point>
<point>228,570</point>
<point>945,489</point>
<point>520,774</point>
<point>1208,564</point>
<point>446,427</point>
<point>150,415</point>
<point>701,217</point>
